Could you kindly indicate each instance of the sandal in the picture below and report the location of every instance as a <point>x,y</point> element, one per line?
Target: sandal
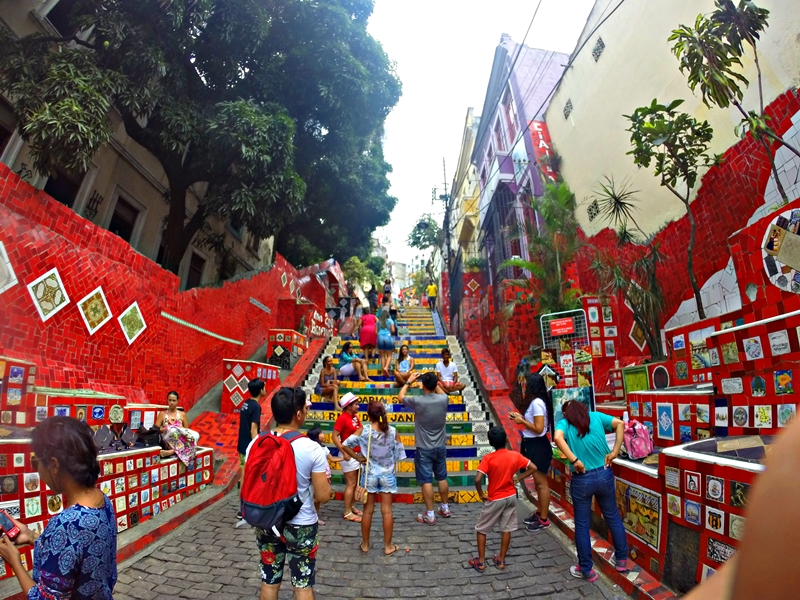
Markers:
<point>396,548</point>
<point>477,565</point>
<point>500,564</point>
<point>352,517</point>
<point>357,512</point>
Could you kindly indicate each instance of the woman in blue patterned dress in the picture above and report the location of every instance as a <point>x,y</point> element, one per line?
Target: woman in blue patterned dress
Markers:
<point>75,557</point>
<point>383,449</point>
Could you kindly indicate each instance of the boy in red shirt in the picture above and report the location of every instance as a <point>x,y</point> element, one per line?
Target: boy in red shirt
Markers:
<point>501,467</point>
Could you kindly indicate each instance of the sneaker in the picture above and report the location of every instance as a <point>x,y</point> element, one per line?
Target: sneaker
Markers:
<point>621,566</point>
<point>239,514</point>
<point>534,516</point>
<point>423,518</point>
<point>538,525</point>
<point>241,523</point>
<point>576,572</point>
<point>444,512</point>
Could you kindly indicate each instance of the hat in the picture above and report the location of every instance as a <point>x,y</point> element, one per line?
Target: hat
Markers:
<point>347,399</point>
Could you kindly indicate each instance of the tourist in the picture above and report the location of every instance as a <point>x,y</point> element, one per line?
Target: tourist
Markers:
<point>249,427</point>
<point>387,291</point>
<point>346,425</point>
<point>538,422</point>
<point>447,372</point>
<point>405,365</point>
<point>351,364</point>
<point>386,331</point>
<point>500,508</point>
<point>581,438</point>
<point>430,435</point>
<point>366,330</point>
<point>299,539</point>
<point>175,433</point>
<point>383,449</point>
<point>328,384</point>
<point>431,292</point>
<point>314,434</point>
<point>76,554</point>
<point>372,297</point>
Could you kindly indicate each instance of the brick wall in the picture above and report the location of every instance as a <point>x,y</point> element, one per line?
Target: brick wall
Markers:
<point>40,234</point>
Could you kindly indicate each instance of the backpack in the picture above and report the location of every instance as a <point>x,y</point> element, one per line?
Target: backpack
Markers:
<point>269,489</point>
<point>638,443</point>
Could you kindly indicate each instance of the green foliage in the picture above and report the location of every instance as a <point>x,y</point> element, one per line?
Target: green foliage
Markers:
<point>378,266</point>
<point>552,244</point>
<point>359,273</point>
<point>630,271</point>
<point>425,234</point>
<point>740,24</point>
<point>262,100</point>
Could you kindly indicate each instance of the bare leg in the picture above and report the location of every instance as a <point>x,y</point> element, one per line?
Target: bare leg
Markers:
<point>400,378</point>
<point>481,547</point>
<point>427,496</point>
<point>505,542</point>
<point>388,523</point>
<point>350,480</point>
<point>542,493</point>
<point>269,592</point>
<point>366,521</point>
<point>304,593</point>
<point>336,398</point>
<point>444,491</point>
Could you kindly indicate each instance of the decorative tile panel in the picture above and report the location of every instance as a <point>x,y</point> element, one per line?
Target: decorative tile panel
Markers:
<point>132,323</point>
<point>48,294</point>
<point>94,310</point>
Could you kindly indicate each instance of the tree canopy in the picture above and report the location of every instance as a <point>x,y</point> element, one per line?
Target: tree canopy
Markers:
<point>273,108</point>
<point>426,233</point>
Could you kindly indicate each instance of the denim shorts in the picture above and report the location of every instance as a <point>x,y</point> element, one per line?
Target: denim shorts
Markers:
<point>383,483</point>
<point>430,463</point>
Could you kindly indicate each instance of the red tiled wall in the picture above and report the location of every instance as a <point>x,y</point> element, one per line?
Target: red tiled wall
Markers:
<point>40,234</point>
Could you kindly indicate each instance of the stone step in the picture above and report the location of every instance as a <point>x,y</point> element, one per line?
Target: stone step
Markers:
<point>406,428</point>
<point>405,417</point>
<point>407,480</point>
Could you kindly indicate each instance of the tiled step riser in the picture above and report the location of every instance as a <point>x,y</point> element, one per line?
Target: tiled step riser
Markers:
<point>406,428</point>
<point>455,417</point>
<point>411,482</point>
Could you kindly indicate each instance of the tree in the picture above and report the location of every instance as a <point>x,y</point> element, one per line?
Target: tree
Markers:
<point>678,145</point>
<point>378,266</point>
<point>239,100</point>
<point>710,55</point>
<point>425,234</point>
<point>552,244</point>
<point>630,270</point>
<point>358,273</point>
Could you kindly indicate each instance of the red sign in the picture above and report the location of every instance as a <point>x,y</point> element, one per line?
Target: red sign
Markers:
<point>562,326</point>
<point>541,148</point>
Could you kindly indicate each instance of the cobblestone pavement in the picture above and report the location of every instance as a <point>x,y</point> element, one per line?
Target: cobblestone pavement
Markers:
<point>207,558</point>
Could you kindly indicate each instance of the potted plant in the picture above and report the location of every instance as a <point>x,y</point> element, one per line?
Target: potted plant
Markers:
<point>475,265</point>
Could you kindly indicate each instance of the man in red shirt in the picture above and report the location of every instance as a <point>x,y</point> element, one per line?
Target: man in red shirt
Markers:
<point>346,425</point>
<point>501,467</point>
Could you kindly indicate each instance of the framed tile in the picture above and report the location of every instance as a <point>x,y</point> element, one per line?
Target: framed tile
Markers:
<point>132,323</point>
<point>94,310</point>
<point>48,294</point>
<point>8,278</point>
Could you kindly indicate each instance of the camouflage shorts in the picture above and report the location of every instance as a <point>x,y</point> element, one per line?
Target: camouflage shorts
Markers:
<point>300,544</point>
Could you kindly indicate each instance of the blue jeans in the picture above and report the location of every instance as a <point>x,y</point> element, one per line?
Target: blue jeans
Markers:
<point>600,484</point>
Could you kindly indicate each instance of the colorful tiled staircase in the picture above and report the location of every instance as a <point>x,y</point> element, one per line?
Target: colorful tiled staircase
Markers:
<point>468,419</point>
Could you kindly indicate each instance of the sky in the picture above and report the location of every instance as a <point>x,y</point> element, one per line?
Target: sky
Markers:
<point>444,51</point>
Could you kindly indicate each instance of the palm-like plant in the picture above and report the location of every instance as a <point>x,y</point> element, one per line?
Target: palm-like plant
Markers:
<point>677,144</point>
<point>630,271</point>
<point>552,240</point>
<point>710,56</point>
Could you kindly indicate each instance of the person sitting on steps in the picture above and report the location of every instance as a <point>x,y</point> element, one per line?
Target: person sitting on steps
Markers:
<point>404,366</point>
<point>447,373</point>
<point>328,384</point>
<point>351,364</point>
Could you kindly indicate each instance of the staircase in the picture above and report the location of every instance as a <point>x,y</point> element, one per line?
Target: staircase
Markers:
<point>468,419</point>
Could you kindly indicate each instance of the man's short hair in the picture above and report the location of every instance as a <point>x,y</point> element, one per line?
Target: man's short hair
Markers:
<point>497,437</point>
<point>286,403</point>
<point>429,381</point>
<point>446,351</point>
<point>255,386</point>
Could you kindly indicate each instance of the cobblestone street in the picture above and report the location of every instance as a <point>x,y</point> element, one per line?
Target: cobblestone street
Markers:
<point>207,558</point>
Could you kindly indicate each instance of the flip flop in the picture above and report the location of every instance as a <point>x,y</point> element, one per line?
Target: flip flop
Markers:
<point>352,517</point>
<point>396,548</point>
<point>477,565</point>
<point>500,564</point>
<point>361,547</point>
<point>357,512</point>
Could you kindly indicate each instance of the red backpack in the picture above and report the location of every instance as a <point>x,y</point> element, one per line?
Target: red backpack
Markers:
<point>269,489</point>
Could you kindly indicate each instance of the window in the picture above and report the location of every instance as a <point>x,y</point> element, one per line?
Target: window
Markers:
<point>60,17</point>
<point>483,176</point>
<point>253,243</point>
<point>598,49</point>
<point>511,115</point>
<point>489,154</point>
<point>568,109</point>
<point>124,220</point>
<point>64,187</point>
<point>194,277</point>
<point>236,227</point>
<point>498,137</point>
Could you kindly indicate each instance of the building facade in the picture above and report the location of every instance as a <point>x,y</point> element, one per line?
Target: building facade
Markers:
<point>123,190</point>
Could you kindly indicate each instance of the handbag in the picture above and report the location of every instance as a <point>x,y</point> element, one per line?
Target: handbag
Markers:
<point>361,490</point>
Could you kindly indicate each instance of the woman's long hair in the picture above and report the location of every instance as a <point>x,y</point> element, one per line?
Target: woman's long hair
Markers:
<point>535,387</point>
<point>365,310</point>
<point>383,318</point>
<point>577,414</point>
<point>400,355</point>
<point>346,348</point>
<point>377,414</point>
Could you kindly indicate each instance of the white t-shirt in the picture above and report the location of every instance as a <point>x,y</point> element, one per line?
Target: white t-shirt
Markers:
<point>446,371</point>
<point>309,457</point>
<point>536,408</point>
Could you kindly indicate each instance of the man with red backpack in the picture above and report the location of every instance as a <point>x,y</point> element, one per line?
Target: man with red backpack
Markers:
<point>269,498</point>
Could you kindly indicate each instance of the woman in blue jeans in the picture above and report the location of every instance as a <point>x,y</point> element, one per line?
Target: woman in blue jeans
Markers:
<point>581,437</point>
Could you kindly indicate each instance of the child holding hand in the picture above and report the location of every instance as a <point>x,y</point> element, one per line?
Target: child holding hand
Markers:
<point>500,508</point>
